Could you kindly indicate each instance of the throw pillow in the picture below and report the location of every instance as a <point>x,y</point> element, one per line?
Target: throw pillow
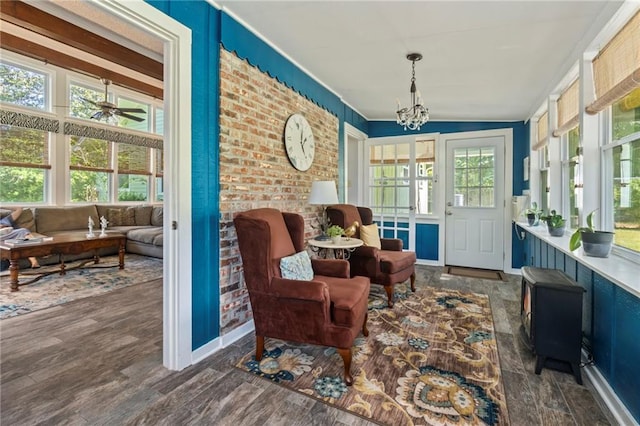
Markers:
<point>297,267</point>
<point>143,215</point>
<point>128,217</point>
<point>370,236</point>
<point>114,217</point>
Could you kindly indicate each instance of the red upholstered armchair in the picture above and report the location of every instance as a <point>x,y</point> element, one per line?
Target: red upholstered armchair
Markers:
<point>329,310</point>
<point>388,265</point>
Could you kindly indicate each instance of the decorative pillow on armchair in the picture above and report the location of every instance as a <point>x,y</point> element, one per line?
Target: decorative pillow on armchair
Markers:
<point>297,267</point>
<point>370,236</point>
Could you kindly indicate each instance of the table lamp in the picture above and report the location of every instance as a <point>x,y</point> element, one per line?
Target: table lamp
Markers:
<point>324,193</point>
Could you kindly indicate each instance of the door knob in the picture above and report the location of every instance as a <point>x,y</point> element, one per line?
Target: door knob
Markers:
<point>449,212</point>
<point>449,204</point>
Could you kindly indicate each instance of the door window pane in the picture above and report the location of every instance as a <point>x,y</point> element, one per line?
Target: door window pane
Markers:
<point>474,171</point>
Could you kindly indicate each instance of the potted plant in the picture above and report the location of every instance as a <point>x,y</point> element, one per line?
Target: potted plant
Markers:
<point>595,243</point>
<point>335,233</point>
<point>533,214</point>
<point>555,224</point>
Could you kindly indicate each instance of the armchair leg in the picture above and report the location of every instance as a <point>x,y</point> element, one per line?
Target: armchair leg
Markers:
<point>346,357</point>
<point>389,290</point>
<point>413,282</point>
<point>259,347</point>
<point>365,330</point>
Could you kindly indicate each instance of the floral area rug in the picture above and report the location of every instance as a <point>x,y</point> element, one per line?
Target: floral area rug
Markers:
<point>88,281</point>
<point>431,360</point>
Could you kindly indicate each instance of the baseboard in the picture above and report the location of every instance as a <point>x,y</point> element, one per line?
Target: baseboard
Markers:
<point>514,271</point>
<point>426,262</point>
<point>221,342</point>
<point>619,411</point>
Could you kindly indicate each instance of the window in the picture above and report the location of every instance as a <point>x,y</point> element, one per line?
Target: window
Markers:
<point>133,172</point>
<point>474,177</point>
<point>24,151</point>
<point>571,176</point>
<point>622,171</point>
<point>24,164</point>
<point>159,168</point>
<point>544,178</point>
<point>90,169</point>
<point>23,86</point>
<point>78,96</point>
<point>425,163</point>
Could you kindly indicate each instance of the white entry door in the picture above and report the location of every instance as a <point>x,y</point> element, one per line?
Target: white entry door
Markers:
<point>474,211</point>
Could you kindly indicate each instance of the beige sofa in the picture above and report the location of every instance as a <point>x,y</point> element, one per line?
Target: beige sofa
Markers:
<point>141,224</point>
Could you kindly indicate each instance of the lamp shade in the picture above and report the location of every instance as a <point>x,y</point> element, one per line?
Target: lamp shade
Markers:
<point>323,192</point>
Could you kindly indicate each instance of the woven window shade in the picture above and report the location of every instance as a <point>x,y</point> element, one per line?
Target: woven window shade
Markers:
<point>543,132</point>
<point>159,163</point>
<point>133,159</point>
<point>616,69</point>
<point>568,108</point>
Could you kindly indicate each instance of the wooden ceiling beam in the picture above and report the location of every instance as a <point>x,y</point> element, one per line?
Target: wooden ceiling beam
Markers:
<point>45,54</point>
<point>40,22</point>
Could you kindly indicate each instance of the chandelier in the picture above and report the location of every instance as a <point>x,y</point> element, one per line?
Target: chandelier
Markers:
<point>416,115</point>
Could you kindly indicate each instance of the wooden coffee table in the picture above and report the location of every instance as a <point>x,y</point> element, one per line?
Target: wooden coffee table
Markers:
<point>72,243</point>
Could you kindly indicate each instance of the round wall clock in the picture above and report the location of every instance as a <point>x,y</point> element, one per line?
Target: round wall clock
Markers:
<point>299,142</point>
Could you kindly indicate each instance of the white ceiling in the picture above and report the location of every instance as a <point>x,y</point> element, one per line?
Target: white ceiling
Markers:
<point>483,60</point>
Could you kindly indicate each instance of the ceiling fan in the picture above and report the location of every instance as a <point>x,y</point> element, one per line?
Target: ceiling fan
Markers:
<point>108,109</point>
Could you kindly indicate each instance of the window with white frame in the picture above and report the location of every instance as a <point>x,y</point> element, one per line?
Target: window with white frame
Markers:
<point>622,172</point>
<point>24,151</point>
<point>103,166</point>
<point>571,176</point>
<point>544,178</point>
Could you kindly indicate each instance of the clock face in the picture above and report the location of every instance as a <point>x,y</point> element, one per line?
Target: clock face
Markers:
<point>298,140</point>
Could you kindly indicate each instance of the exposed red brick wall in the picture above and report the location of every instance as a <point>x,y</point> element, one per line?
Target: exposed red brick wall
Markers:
<point>254,168</point>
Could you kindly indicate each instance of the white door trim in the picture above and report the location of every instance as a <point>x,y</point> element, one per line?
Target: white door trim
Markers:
<point>508,186</point>
<point>177,353</point>
<point>351,131</point>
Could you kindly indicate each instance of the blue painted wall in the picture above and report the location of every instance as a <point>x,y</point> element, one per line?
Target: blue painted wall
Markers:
<point>610,321</point>
<point>204,22</point>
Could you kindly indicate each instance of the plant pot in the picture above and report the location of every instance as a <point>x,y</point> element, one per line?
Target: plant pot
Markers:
<point>336,240</point>
<point>533,219</point>
<point>597,244</point>
<point>556,231</point>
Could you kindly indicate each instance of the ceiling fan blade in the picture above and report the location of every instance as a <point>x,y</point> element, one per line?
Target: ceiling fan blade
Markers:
<point>90,101</point>
<point>97,115</point>
<point>132,117</point>
<point>136,110</point>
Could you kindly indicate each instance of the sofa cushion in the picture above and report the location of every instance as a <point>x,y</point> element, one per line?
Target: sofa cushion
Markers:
<point>152,235</point>
<point>121,217</point>
<point>143,215</point>
<point>156,216</point>
<point>65,218</point>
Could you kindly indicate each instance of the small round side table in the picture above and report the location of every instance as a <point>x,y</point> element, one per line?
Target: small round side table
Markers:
<point>342,250</point>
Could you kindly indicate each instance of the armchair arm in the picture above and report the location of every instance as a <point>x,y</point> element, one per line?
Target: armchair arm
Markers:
<point>392,244</point>
<point>303,290</point>
<point>331,267</point>
<point>366,251</point>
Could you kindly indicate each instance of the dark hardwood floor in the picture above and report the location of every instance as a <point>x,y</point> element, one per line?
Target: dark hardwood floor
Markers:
<point>98,361</point>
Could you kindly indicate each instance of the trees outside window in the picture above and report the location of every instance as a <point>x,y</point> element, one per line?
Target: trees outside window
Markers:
<point>622,158</point>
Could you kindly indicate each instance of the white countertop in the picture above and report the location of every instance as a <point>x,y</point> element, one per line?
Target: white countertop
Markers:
<point>616,269</point>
